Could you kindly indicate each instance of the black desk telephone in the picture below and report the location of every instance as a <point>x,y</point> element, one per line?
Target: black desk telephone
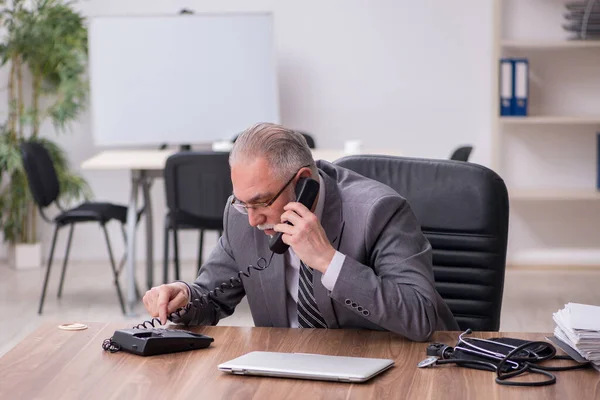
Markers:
<point>146,339</point>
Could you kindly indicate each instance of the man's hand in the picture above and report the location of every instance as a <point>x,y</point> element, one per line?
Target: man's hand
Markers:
<point>161,301</point>
<point>307,237</point>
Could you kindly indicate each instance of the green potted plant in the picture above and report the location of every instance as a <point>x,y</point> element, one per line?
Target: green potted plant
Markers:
<point>45,45</point>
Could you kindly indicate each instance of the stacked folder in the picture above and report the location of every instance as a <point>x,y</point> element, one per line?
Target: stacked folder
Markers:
<point>578,327</point>
<point>583,20</point>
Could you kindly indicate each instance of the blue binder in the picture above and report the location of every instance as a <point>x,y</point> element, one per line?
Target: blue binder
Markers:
<point>521,86</point>
<point>506,86</point>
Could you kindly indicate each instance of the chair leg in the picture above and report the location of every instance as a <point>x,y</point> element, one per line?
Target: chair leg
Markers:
<point>166,254</point>
<point>124,260</point>
<point>176,252</point>
<point>200,246</point>
<point>114,268</point>
<point>56,228</point>
<point>64,267</point>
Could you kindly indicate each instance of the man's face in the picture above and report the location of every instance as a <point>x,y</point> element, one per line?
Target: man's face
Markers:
<point>254,183</point>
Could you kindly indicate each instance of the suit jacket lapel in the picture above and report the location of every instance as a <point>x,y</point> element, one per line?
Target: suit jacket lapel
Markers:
<point>333,224</point>
<point>273,285</point>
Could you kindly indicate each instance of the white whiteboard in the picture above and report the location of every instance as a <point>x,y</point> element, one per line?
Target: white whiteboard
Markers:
<point>180,79</point>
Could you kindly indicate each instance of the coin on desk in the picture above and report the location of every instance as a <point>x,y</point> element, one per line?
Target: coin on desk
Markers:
<point>73,327</point>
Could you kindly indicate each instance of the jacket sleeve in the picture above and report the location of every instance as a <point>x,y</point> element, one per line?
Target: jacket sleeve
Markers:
<point>395,290</point>
<point>212,294</point>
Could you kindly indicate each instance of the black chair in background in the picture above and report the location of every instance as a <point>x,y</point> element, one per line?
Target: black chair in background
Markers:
<point>197,186</point>
<point>463,210</point>
<point>44,187</point>
<point>462,153</point>
<point>309,139</point>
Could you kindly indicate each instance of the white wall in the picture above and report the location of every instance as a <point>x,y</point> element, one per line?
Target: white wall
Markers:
<point>415,75</point>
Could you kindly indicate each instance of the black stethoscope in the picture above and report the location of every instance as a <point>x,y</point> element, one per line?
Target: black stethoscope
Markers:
<point>517,360</point>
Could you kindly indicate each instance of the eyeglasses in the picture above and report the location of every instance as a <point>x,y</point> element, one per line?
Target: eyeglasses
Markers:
<point>243,207</point>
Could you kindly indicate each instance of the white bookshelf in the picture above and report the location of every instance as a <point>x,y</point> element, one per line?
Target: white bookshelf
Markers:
<point>553,194</point>
<point>551,120</point>
<point>556,258</point>
<point>548,158</point>
<point>549,44</point>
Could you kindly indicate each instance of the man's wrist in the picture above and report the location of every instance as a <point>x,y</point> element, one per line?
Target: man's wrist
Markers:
<point>186,289</point>
<point>334,269</point>
<point>326,260</point>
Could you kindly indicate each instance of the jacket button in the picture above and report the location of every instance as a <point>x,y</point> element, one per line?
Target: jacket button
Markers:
<point>360,309</point>
<point>354,305</point>
<point>366,313</point>
<point>348,302</point>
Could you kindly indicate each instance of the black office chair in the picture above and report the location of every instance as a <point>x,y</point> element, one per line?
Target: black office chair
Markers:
<point>309,139</point>
<point>197,186</point>
<point>463,210</point>
<point>462,153</point>
<point>45,189</point>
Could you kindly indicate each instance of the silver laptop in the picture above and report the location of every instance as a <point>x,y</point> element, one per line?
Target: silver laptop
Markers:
<point>307,366</point>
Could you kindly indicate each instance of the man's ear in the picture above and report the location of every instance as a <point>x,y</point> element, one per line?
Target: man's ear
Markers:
<point>306,173</point>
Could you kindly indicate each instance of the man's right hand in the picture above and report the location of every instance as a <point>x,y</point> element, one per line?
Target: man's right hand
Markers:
<point>161,301</point>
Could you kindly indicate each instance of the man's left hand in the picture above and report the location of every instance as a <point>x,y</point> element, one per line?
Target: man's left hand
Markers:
<point>307,237</point>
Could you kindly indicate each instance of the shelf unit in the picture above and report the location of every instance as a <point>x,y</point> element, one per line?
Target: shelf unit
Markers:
<point>551,120</point>
<point>548,44</point>
<point>580,258</point>
<point>553,194</point>
<point>533,30</point>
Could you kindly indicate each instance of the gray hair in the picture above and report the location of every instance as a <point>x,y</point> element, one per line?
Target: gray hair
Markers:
<point>284,150</point>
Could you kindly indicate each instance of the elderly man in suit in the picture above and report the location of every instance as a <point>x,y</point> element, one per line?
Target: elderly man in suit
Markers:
<point>357,258</point>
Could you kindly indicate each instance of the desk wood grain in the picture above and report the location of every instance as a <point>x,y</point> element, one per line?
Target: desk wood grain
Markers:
<point>56,364</point>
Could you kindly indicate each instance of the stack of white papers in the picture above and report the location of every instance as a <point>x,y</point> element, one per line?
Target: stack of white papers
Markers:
<point>578,326</point>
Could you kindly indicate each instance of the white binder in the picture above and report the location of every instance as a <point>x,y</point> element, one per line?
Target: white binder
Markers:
<point>506,86</point>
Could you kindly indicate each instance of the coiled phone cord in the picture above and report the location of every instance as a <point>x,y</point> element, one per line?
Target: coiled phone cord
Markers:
<point>203,301</point>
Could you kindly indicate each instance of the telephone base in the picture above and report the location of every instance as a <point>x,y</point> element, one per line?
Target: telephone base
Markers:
<point>150,342</point>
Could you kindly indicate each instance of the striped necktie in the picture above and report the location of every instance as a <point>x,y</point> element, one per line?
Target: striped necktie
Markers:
<point>309,315</point>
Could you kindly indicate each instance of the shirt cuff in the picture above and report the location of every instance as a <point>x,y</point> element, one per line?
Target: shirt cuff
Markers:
<point>330,276</point>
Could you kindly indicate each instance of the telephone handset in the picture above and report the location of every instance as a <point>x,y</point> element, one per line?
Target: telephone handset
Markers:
<point>306,193</point>
<point>146,339</point>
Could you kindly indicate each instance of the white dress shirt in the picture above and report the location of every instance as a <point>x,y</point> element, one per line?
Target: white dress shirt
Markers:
<point>292,267</point>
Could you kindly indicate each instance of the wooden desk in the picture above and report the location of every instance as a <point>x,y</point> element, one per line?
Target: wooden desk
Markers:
<point>145,166</point>
<point>52,363</point>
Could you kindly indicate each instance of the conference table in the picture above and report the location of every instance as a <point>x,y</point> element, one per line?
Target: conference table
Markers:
<point>52,363</point>
<point>144,167</point>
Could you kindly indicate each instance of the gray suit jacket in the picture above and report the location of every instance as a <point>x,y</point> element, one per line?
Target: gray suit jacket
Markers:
<point>387,273</point>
